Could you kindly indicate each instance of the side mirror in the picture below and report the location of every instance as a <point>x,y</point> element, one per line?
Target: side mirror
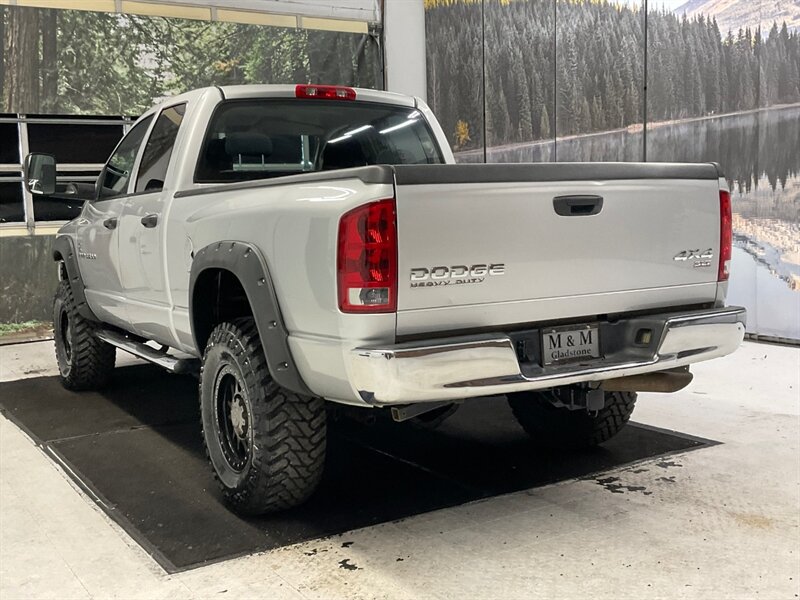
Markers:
<point>40,174</point>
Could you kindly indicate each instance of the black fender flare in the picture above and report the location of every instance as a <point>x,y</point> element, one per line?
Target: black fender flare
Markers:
<point>246,262</point>
<point>64,251</point>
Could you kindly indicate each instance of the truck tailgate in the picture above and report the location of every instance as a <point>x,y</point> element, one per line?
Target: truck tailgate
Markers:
<point>493,245</point>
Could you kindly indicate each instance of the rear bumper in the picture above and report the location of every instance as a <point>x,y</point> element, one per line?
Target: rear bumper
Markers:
<point>486,364</point>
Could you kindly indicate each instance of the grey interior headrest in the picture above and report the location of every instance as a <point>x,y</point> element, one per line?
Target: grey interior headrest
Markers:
<point>248,143</point>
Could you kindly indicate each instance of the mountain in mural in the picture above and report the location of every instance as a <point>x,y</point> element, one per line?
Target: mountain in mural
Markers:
<point>736,14</point>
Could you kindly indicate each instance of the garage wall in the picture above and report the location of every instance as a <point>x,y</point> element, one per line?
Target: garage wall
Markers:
<point>564,80</point>
<point>27,278</point>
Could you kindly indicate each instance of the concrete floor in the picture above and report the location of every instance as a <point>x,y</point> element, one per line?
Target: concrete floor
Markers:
<point>721,522</point>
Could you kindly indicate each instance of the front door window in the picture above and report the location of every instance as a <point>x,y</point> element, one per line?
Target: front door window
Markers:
<point>117,173</point>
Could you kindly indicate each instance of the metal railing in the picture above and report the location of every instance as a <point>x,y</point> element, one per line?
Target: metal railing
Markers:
<point>11,172</point>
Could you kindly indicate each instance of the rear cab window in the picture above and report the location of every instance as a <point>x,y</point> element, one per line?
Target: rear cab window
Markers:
<point>259,139</point>
<point>158,150</point>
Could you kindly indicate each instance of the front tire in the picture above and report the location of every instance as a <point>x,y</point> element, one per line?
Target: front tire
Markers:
<point>562,428</point>
<point>84,361</point>
<point>266,444</point>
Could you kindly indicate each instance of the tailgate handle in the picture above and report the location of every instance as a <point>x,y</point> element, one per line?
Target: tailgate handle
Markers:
<point>578,206</point>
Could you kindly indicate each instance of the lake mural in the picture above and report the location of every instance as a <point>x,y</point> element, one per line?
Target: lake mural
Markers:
<point>760,153</point>
<point>723,85</point>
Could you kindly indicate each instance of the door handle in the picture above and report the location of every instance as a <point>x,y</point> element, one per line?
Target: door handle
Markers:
<point>110,223</point>
<point>578,206</point>
<point>150,220</point>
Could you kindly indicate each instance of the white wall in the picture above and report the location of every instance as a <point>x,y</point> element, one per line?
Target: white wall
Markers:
<point>404,35</point>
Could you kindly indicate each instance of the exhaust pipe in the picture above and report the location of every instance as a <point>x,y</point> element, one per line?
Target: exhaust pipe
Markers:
<point>660,381</point>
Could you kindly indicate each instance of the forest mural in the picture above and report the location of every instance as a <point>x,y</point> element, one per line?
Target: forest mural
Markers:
<point>76,62</point>
<point>565,80</point>
<point>695,69</point>
<point>73,61</point>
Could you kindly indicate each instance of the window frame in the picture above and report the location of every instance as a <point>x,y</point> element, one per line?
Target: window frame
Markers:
<point>16,170</point>
<point>67,170</point>
<point>60,136</point>
<point>18,179</point>
<point>276,100</point>
<point>140,155</point>
<point>99,186</point>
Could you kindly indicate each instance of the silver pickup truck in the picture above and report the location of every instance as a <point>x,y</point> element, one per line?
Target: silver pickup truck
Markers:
<point>295,244</point>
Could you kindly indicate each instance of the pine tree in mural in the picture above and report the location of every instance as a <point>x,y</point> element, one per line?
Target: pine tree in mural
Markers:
<point>20,54</point>
<point>544,124</point>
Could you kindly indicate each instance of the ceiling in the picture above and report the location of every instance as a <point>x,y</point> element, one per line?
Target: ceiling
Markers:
<point>356,16</point>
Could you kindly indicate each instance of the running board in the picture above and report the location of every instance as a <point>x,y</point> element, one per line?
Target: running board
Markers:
<point>181,366</point>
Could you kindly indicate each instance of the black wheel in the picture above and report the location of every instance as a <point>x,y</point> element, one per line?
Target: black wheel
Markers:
<point>560,427</point>
<point>84,361</point>
<point>265,443</point>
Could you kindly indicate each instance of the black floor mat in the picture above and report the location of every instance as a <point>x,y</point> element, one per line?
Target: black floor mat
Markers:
<point>136,448</point>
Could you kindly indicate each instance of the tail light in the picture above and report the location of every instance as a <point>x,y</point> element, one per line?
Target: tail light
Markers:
<point>366,259</point>
<point>725,235</point>
<point>325,92</point>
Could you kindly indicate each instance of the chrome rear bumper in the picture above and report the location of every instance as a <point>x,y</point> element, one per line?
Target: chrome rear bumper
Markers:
<point>486,364</point>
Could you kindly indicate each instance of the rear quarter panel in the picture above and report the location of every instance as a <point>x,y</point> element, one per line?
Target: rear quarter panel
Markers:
<point>295,226</point>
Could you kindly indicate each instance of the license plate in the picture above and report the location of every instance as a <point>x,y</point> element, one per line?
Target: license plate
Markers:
<point>570,344</point>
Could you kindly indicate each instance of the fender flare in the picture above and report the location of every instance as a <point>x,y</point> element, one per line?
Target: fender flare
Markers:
<point>247,263</point>
<point>64,251</point>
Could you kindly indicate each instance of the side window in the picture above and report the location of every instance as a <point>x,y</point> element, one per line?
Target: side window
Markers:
<point>153,169</point>
<point>117,173</point>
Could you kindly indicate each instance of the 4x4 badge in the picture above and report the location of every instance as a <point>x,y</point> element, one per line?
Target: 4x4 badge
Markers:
<point>690,254</point>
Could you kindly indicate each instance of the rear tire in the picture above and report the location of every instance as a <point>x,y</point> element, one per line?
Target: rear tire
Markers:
<point>84,361</point>
<point>562,428</point>
<point>266,444</point>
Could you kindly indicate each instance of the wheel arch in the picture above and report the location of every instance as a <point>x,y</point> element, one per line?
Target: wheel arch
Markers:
<point>225,276</point>
<point>64,253</point>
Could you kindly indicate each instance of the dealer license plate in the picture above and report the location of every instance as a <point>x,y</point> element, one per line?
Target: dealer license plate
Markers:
<point>570,344</point>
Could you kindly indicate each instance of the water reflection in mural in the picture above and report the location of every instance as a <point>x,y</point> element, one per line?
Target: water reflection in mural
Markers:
<point>760,152</point>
